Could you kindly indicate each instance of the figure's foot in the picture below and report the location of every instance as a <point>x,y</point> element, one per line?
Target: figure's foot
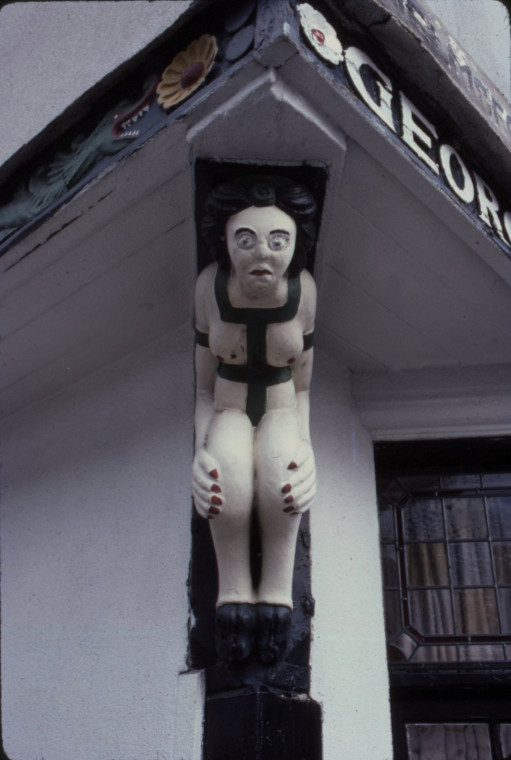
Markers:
<point>235,631</point>
<point>273,631</point>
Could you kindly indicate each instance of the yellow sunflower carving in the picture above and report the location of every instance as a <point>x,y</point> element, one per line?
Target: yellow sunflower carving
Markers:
<point>187,71</point>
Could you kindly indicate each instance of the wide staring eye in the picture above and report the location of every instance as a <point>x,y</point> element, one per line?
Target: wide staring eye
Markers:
<point>245,240</point>
<point>279,241</point>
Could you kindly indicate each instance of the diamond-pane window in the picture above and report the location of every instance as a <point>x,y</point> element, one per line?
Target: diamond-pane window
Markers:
<point>446,551</point>
<point>445,533</point>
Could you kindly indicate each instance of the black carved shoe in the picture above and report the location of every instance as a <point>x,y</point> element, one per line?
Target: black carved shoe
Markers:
<point>235,631</point>
<point>273,632</point>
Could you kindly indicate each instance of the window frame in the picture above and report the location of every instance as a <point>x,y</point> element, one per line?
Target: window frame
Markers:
<point>454,692</point>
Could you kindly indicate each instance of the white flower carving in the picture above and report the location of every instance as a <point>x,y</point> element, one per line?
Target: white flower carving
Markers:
<point>320,34</point>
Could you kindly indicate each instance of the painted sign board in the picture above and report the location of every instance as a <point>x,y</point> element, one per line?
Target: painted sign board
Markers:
<point>455,61</point>
<point>440,155</point>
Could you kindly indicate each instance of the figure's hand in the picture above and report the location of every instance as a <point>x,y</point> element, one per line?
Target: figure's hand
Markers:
<point>299,489</point>
<point>206,488</point>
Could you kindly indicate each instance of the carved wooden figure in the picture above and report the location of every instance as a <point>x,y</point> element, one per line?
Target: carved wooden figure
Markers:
<point>255,312</point>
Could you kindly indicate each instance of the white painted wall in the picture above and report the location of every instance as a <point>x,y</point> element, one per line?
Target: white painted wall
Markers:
<point>348,659</point>
<point>53,52</point>
<point>96,547</point>
<point>482,28</point>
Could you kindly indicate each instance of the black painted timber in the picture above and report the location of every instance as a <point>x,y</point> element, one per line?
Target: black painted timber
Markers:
<point>260,725</point>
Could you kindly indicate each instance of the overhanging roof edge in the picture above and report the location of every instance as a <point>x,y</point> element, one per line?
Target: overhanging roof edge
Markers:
<point>442,69</point>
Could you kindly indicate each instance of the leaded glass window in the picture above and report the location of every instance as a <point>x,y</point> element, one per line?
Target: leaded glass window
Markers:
<point>446,552</point>
<point>445,533</point>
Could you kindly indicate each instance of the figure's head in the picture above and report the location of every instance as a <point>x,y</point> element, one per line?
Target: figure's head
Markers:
<point>229,198</point>
<point>261,243</point>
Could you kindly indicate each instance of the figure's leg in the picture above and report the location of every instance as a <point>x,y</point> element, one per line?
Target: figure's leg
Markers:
<point>230,442</point>
<point>277,437</point>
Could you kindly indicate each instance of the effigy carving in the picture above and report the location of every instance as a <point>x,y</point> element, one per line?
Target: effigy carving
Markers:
<point>255,310</point>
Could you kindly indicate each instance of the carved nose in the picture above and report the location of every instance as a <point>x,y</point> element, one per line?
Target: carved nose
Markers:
<point>262,249</point>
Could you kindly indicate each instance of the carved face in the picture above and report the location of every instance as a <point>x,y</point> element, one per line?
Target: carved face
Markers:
<point>261,243</point>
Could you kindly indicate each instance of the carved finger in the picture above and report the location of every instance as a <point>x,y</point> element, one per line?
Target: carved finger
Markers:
<point>201,487</point>
<point>201,506</point>
<point>207,463</point>
<point>302,486</point>
<point>299,501</point>
<point>206,479</point>
<point>206,503</point>
<point>303,452</point>
<point>302,478</point>
<point>305,501</point>
<point>299,484</point>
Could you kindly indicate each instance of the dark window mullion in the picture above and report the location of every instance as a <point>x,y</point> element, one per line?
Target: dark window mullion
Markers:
<point>449,565</point>
<point>495,740</point>
<point>492,557</point>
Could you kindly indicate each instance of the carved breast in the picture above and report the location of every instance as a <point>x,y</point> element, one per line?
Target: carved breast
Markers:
<point>284,343</point>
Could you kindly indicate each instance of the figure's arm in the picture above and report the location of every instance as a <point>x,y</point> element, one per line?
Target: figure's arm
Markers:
<point>302,369</point>
<point>302,468</point>
<point>205,362</point>
<point>205,489</point>
<point>205,371</point>
<point>302,373</point>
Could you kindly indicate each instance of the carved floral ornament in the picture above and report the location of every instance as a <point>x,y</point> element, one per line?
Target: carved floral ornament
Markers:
<point>320,34</point>
<point>118,127</point>
<point>187,71</point>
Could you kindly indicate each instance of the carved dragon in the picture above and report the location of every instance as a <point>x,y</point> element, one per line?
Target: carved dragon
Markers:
<point>48,183</point>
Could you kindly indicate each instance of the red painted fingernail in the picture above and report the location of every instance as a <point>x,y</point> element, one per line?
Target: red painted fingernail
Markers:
<point>288,509</point>
<point>290,361</point>
<point>216,488</point>
<point>210,517</point>
<point>214,474</point>
<point>214,511</point>
<point>294,514</point>
<point>292,466</point>
<point>288,499</point>
<point>216,500</point>
<point>286,488</point>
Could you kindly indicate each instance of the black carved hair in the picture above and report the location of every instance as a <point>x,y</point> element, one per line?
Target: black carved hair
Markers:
<point>230,198</point>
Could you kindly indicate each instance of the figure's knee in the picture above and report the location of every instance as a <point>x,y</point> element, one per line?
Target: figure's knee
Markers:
<point>230,442</point>
<point>276,440</point>
<point>230,436</point>
<point>276,436</point>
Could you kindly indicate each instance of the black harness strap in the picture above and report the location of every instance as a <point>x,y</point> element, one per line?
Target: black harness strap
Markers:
<point>257,373</point>
<point>201,338</point>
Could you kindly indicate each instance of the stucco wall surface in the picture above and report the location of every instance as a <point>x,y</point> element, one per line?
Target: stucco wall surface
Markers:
<point>52,52</point>
<point>95,554</point>
<point>348,659</point>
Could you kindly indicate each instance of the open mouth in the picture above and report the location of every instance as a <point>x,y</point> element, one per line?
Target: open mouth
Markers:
<point>123,124</point>
<point>260,272</point>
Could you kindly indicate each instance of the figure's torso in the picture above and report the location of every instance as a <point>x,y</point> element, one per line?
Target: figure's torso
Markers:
<point>232,343</point>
